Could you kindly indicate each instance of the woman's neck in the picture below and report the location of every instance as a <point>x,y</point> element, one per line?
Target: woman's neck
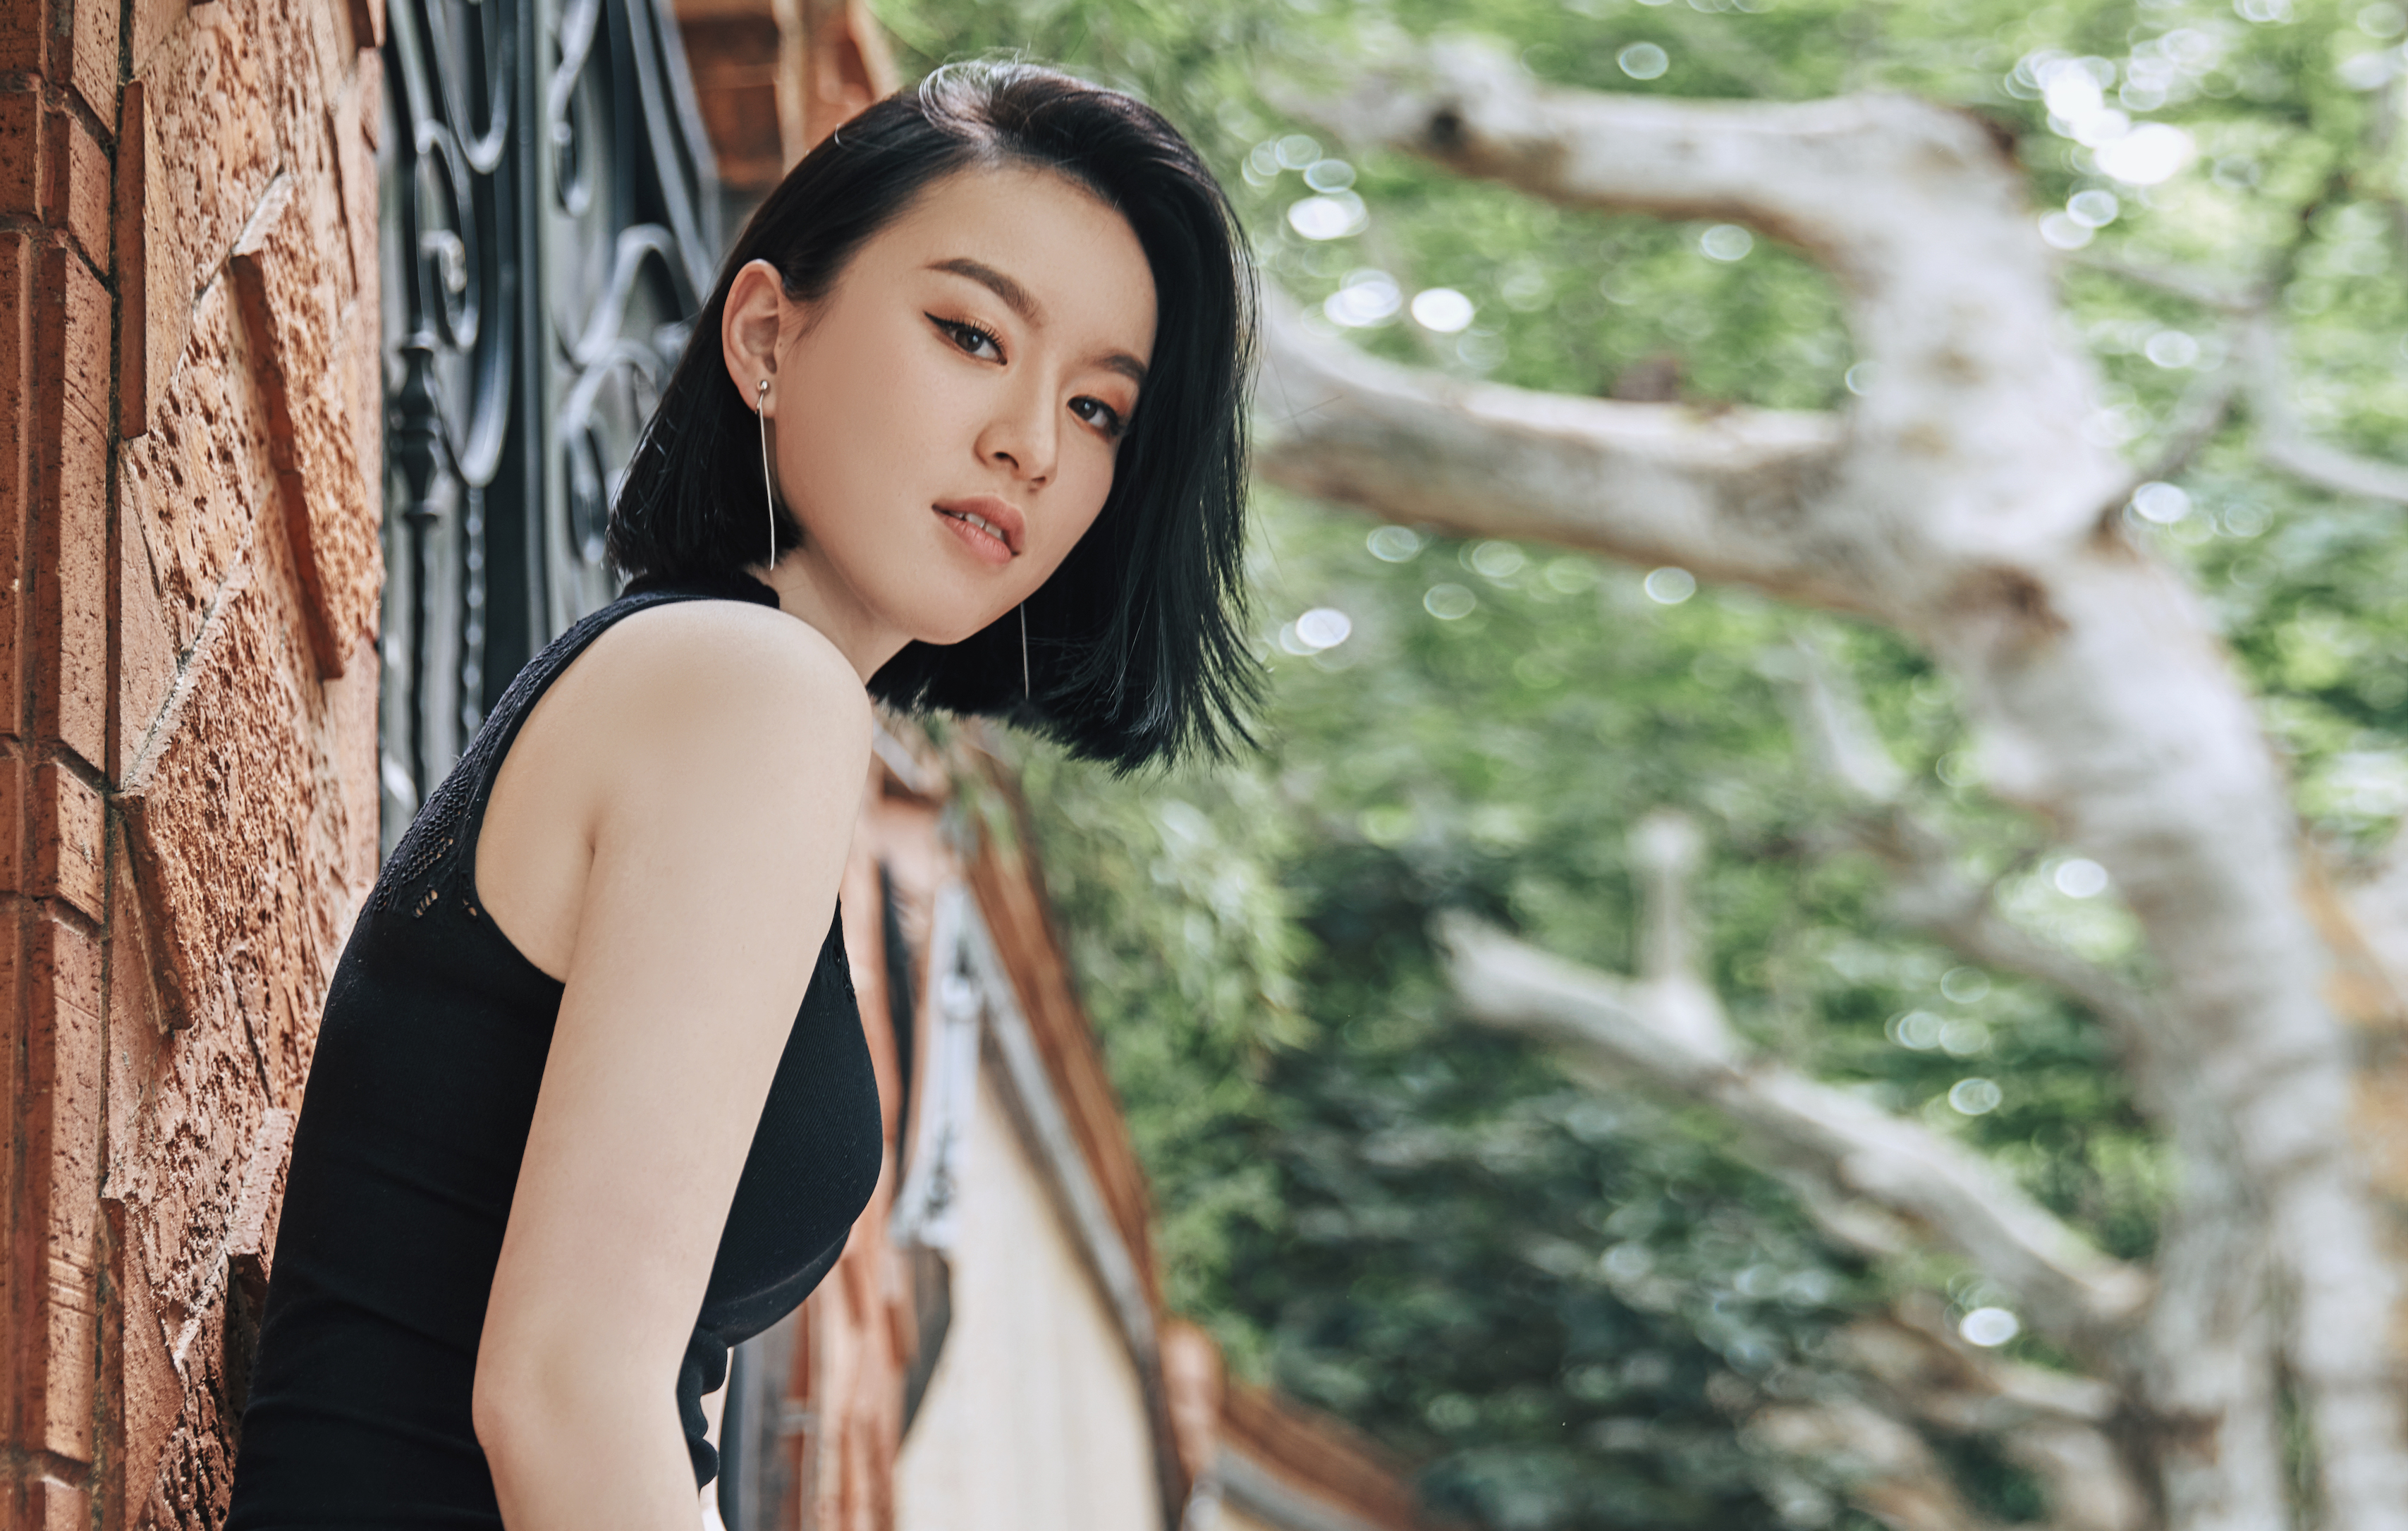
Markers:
<point>810,592</point>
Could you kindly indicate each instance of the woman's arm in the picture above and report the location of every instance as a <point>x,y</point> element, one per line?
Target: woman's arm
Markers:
<point>734,754</point>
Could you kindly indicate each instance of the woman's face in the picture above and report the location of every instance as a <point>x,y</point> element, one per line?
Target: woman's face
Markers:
<point>945,422</point>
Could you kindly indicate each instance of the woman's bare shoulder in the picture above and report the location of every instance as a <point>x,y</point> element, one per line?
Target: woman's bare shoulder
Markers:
<point>723,673</point>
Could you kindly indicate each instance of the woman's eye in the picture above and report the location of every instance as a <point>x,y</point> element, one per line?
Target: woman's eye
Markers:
<point>970,337</point>
<point>1097,412</point>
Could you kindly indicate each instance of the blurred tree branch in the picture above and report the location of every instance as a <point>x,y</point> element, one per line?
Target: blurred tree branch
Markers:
<point>1649,483</point>
<point>1959,501</point>
<point>2259,376</point>
<point>1668,1029</point>
<point>1873,1181</point>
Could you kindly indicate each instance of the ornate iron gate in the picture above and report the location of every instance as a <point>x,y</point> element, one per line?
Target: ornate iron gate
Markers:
<point>549,226</point>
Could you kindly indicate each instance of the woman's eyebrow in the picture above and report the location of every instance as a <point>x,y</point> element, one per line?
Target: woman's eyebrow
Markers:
<point>1015,297</point>
<point>1024,303</point>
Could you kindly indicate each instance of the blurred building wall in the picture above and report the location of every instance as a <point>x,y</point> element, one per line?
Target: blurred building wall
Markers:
<point>1034,1416</point>
<point>775,77</point>
<point>189,574</point>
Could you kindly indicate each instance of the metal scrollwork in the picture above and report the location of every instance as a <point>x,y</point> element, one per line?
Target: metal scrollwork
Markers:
<point>549,228</point>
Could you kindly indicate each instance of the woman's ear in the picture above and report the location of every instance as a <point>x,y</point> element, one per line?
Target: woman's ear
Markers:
<point>750,326</point>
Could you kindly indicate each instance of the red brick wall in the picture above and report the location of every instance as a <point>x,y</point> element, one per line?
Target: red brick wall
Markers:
<point>189,569</point>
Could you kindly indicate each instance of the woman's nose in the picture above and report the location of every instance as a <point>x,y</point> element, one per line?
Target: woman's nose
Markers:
<point>1024,436</point>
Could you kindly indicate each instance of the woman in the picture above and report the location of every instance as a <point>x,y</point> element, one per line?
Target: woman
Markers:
<point>971,437</point>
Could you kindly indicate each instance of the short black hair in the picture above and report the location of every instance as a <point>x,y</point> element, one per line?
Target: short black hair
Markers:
<point>1136,648</point>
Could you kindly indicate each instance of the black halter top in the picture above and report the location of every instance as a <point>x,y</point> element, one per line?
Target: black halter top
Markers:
<point>416,1112</point>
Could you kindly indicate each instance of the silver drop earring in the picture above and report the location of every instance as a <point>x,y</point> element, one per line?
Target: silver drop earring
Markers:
<point>1024,651</point>
<point>769,495</point>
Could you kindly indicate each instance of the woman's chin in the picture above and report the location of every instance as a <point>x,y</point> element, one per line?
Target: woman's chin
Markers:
<point>944,635</point>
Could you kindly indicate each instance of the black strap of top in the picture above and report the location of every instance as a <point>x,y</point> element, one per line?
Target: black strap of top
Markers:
<point>442,837</point>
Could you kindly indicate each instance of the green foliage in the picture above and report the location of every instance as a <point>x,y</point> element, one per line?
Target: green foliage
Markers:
<point>1563,1301</point>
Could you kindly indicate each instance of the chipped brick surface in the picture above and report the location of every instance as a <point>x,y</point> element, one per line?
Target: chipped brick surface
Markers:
<point>146,649</point>
<point>372,96</point>
<point>153,22</point>
<point>192,493</point>
<point>301,351</point>
<point>227,796</point>
<point>210,140</point>
<point>355,168</point>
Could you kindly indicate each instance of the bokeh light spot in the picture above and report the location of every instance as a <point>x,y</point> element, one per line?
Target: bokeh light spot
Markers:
<point>2077,877</point>
<point>1295,151</point>
<point>1367,297</point>
<point>1643,61</point>
<point>1449,601</point>
<point>1324,628</point>
<point>1442,309</point>
<point>1975,1096</point>
<point>1726,242</point>
<point>1989,1327</point>
<point>1670,585</point>
<point>1330,175</point>
<point>1333,216</point>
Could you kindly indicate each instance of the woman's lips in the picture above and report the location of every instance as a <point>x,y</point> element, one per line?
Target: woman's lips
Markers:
<point>982,543</point>
<point>992,527</point>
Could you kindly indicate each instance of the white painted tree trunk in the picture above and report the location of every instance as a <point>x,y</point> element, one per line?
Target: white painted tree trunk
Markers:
<point>1960,503</point>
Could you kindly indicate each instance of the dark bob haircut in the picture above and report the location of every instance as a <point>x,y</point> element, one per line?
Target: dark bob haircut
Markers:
<point>1135,648</point>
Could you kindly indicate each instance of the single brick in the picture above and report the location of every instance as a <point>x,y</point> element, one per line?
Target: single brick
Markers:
<point>61,1507</point>
<point>24,31</point>
<point>134,378</point>
<point>68,475</point>
<point>146,1392</point>
<point>21,152</point>
<point>60,1122</point>
<point>76,192</point>
<point>136,1042</point>
<point>13,815</point>
<point>69,827</point>
<point>92,32</point>
<point>17,1299</point>
<point>17,261</point>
